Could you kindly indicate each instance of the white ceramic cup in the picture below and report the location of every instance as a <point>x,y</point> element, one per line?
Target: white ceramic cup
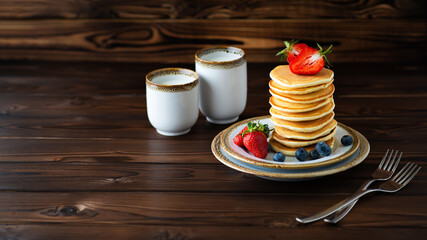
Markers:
<point>172,100</point>
<point>223,83</point>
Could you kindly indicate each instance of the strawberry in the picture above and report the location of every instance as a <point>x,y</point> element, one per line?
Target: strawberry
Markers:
<point>310,61</point>
<point>238,139</point>
<point>255,139</point>
<point>292,50</point>
<point>256,143</point>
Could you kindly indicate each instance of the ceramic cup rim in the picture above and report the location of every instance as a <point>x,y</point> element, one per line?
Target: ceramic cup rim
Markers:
<point>240,59</point>
<point>173,87</point>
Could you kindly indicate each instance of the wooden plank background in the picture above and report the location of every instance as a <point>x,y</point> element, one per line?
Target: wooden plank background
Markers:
<point>80,160</point>
<point>171,31</point>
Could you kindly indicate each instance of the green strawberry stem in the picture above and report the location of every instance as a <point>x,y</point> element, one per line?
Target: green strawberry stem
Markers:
<point>288,45</point>
<point>252,127</point>
<point>323,54</point>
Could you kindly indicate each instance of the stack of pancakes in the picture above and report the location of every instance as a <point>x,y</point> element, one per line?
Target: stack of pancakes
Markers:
<point>301,109</point>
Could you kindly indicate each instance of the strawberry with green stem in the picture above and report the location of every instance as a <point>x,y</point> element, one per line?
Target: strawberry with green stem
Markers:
<point>255,139</point>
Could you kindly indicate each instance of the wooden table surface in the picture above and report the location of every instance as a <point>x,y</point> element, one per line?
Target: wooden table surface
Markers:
<point>79,160</point>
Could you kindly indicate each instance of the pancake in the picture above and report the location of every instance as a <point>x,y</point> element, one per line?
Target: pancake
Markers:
<point>303,116</point>
<point>297,107</point>
<point>277,87</point>
<point>306,126</point>
<point>293,143</point>
<point>276,146</point>
<point>286,78</point>
<point>286,133</point>
<point>306,98</point>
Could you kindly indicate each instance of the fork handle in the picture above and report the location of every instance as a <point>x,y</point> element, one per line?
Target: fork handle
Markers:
<point>334,208</point>
<point>338,215</point>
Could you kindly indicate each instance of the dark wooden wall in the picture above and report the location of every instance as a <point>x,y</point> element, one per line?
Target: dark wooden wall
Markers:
<point>171,31</point>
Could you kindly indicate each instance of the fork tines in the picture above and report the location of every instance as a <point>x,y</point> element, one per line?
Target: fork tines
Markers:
<point>390,164</point>
<point>406,174</point>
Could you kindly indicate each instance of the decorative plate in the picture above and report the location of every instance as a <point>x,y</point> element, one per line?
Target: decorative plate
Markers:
<point>280,174</point>
<point>339,152</point>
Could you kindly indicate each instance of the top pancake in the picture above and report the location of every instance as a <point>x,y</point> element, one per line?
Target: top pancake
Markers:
<point>288,79</point>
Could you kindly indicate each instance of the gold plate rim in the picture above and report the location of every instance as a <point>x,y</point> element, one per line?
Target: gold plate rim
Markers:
<point>227,148</point>
<point>364,150</point>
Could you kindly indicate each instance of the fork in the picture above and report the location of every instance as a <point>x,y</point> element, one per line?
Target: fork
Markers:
<point>383,172</point>
<point>399,181</point>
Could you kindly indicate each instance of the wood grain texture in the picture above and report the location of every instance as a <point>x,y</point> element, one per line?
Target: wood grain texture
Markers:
<point>128,79</point>
<point>176,41</point>
<point>115,173</point>
<point>213,9</point>
<point>195,209</point>
<point>162,232</point>
<point>276,230</point>
<point>79,160</point>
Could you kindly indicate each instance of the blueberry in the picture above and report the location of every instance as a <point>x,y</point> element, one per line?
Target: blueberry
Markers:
<point>314,154</point>
<point>346,140</point>
<point>301,154</point>
<point>279,157</point>
<point>323,149</point>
